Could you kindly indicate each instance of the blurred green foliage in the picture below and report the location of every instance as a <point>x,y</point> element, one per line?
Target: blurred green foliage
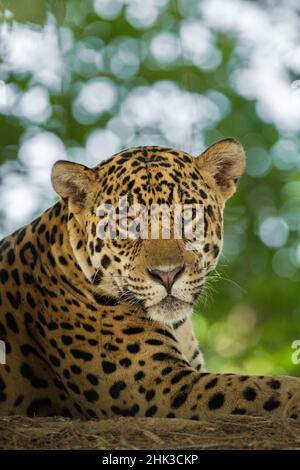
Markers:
<point>250,313</point>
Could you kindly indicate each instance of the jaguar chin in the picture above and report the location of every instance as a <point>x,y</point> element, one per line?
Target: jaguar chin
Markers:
<point>170,310</point>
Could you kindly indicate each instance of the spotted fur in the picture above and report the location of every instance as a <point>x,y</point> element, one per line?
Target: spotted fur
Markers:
<point>89,332</point>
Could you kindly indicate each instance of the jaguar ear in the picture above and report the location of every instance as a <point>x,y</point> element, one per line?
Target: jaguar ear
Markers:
<point>72,181</point>
<point>224,161</point>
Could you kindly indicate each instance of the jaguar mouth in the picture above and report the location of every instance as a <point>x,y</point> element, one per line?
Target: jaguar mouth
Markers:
<point>170,301</point>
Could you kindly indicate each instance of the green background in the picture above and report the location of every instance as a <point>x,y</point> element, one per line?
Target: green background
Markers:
<point>250,313</point>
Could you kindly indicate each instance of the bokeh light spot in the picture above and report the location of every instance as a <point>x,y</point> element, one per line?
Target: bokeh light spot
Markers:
<point>274,232</point>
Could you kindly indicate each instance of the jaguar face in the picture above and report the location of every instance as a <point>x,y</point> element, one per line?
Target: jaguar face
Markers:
<point>132,209</point>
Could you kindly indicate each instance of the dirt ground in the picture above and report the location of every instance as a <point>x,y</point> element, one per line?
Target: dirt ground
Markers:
<point>228,432</point>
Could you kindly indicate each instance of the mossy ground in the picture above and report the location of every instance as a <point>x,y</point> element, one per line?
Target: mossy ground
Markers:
<point>228,432</point>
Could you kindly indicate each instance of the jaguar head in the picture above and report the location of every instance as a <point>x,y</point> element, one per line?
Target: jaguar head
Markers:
<point>149,222</point>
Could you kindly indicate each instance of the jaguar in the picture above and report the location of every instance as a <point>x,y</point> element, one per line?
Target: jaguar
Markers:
<point>100,327</point>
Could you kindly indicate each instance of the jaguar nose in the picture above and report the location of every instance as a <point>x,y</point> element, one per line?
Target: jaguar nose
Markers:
<point>166,277</point>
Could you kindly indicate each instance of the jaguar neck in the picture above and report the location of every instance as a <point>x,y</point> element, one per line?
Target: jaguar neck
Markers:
<point>56,233</point>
